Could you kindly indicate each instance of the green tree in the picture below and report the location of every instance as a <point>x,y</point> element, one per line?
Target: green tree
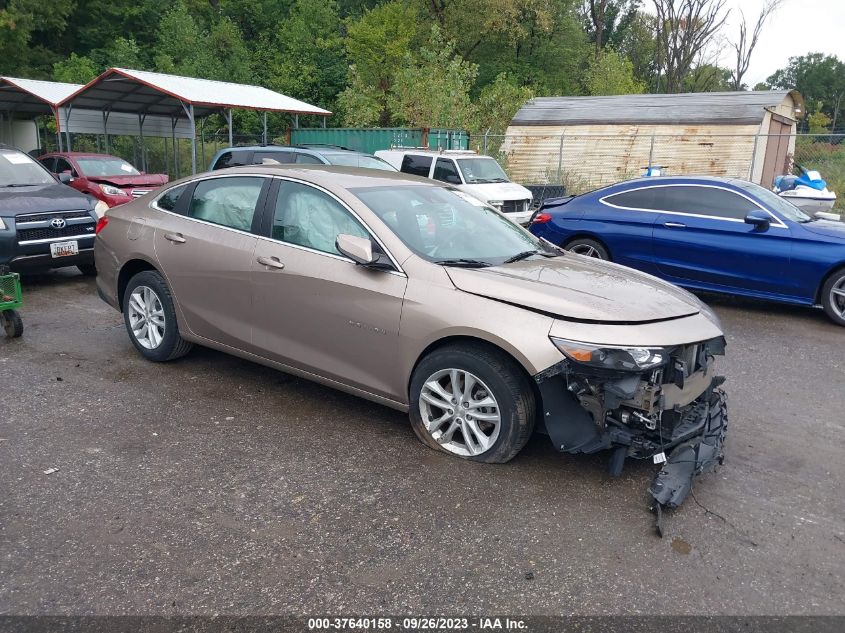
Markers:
<point>818,123</point>
<point>708,78</point>
<point>606,22</point>
<point>432,89</point>
<point>308,59</point>
<point>497,104</point>
<point>121,52</point>
<point>27,32</point>
<point>819,78</point>
<point>75,69</point>
<point>638,44</point>
<point>376,45</point>
<point>611,74</point>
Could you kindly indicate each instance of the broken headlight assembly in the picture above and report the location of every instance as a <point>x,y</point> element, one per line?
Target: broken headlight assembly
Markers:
<point>611,357</point>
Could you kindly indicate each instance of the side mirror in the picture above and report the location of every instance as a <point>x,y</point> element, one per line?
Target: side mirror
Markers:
<point>65,177</point>
<point>358,249</point>
<point>759,219</point>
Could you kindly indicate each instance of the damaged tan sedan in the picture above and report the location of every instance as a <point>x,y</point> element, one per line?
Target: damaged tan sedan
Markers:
<point>415,295</point>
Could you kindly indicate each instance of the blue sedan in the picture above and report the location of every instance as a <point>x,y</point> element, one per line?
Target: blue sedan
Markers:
<point>711,234</point>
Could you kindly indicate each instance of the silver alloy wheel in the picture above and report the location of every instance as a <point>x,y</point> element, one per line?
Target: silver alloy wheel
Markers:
<point>837,297</point>
<point>586,250</point>
<point>146,317</point>
<point>460,412</point>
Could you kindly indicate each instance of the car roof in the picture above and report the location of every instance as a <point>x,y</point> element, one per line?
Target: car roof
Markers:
<point>645,181</point>
<point>327,149</point>
<point>328,176</point>
<point>82,155</point>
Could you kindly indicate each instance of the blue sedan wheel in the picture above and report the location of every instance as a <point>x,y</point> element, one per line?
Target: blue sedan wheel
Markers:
<point>833,296</point>
<point>588,248</point>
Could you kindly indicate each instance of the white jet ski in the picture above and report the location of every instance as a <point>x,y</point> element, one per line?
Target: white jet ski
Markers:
<point>808,191</point>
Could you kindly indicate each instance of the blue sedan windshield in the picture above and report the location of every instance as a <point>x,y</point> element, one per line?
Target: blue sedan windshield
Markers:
<point>774,201</point>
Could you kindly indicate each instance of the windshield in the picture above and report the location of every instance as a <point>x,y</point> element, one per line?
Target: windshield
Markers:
<point>19,170</point>
<point>105,166</point>
<point>445,225</point>
<point>481,170</point>
<point>359,160</point>
<point>774,201</point>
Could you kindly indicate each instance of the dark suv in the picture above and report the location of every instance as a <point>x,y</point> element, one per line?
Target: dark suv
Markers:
<point>299,154</point>
<point>43,223</point>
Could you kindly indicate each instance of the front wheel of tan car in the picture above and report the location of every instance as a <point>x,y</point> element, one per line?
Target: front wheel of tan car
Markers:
<point>472,401</point>
<point>150,318</point>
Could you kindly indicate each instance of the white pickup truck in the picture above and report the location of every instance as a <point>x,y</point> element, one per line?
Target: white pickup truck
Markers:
<point>479,176</point>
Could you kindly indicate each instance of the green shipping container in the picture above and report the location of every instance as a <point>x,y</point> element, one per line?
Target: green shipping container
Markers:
<point>371,140</point>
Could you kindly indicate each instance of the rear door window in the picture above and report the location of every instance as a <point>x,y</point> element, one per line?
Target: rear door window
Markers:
<point>228,202</point>
<point>273,158</point>
<point>416,165</point>
<point>710,201</point>
<point>646,198</point>
<point>446,171</point>
<point>233,159</point>
<point>169,200</point>
<point>49,163</point>
<point>308,159</point>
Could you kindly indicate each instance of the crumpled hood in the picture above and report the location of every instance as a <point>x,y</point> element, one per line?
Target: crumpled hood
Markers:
<point>141,180</point>
<point>579,289</point>
<point>828,228</point>
<point>41,198</point>
<point>497,191</point>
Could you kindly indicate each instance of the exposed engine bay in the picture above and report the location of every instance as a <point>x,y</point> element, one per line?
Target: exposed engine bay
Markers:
<point>673,412</point>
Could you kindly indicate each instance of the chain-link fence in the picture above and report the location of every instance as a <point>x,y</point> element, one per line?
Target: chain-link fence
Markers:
<point>581,162</point>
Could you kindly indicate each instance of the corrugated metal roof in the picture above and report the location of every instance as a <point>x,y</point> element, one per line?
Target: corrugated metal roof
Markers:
<point>125,90</point>
<point>744,107</point>
<point>33,95</point>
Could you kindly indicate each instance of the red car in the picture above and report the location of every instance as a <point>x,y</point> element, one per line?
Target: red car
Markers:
<point>107,178</point>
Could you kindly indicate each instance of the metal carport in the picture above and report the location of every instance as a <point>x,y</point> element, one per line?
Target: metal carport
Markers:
<point>146,93</point>
<point>33,98</point>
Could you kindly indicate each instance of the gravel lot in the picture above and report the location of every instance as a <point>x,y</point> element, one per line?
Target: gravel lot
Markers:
<point>213,485</point>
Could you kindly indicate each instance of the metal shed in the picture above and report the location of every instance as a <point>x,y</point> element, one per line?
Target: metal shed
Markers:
<point>592,141</point>
<point>23,101</point>
<point>143,94</point>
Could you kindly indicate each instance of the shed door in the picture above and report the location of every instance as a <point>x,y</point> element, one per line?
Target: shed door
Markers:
<point>776,160</point>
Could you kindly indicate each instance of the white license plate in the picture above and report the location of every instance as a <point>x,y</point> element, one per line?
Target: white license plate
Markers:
<point>64,249</point>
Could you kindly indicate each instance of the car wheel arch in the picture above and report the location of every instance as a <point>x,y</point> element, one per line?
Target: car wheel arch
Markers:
<point>584,235</point>
<point>127,272</point>
<point>836,268</point>
<point>466,339</point>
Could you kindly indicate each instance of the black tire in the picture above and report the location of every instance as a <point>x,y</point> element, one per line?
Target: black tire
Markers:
<point>12,323</point>
<point>589,247</point>
<point>507,383</point>
<point>172,344</point>
<point>89,270</point>
<point>833,305</point>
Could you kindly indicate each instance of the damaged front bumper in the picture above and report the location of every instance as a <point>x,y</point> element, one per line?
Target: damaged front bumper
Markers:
<point>675,414</point>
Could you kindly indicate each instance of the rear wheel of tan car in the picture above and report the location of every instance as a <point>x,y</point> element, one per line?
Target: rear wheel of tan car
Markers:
<point>472,401</point>
<point>150,318</point>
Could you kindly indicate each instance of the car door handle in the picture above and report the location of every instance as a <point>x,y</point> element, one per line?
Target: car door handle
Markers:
<point>176,238</point>
<point>272,262</point>
<point>674,225</point>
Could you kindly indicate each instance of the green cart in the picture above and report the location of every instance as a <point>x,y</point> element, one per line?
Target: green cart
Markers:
<point>11,298</point>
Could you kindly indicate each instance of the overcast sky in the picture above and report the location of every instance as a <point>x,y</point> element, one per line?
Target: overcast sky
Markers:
<point>797,28</point>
